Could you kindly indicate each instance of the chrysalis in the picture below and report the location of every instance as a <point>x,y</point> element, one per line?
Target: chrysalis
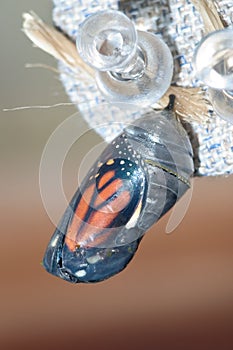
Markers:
<point>136,180</point>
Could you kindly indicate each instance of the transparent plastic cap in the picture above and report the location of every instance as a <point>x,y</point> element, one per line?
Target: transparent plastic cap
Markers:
<point>222,102</point>
<point>131,67</point>
<point>213,60</point>
<point>107,40</point>
<point>152,81</point>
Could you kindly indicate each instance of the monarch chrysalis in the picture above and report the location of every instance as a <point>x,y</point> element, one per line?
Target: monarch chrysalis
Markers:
<point>138,178</point>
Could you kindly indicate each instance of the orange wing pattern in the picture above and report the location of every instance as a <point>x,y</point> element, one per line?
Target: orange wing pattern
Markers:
<point>108,200</point>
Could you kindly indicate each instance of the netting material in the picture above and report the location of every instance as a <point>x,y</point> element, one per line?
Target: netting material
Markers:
<point>180,25</point>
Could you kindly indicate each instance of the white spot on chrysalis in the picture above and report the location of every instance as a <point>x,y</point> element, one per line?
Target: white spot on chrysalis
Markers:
<point>80,273</point>
<point>93,259</point>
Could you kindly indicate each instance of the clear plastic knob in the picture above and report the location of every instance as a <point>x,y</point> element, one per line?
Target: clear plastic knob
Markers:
<point>107,40</point>
<point>131,67</point>
<point>213,63</point>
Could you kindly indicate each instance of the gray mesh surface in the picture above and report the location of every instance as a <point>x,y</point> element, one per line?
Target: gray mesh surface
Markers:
<point>181,27</point>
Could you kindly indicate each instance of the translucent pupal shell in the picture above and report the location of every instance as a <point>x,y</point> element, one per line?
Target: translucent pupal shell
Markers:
<point>137,179</point>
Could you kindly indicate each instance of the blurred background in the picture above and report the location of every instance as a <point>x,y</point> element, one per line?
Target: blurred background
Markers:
<point>177,293</point>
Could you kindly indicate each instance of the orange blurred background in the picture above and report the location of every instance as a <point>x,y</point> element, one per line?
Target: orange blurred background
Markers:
<point>177,293</point>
